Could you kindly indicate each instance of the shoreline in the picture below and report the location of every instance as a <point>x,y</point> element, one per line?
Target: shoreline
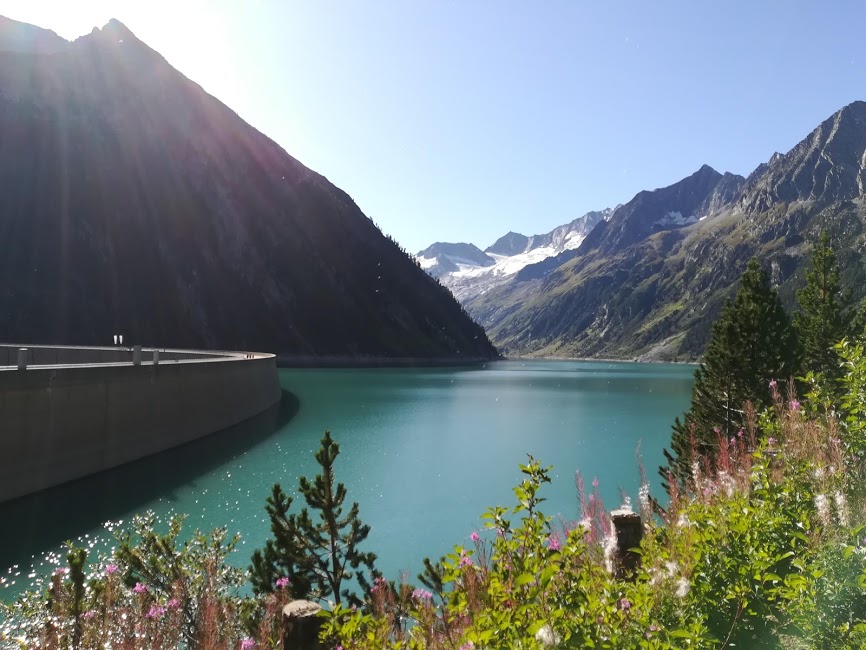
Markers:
<point>336,361</point>
<point>607,360</point>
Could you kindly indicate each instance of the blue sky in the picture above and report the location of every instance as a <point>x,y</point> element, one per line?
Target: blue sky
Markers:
<point>460,121</point>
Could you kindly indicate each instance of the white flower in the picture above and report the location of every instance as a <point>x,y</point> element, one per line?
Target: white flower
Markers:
<point>841,508</point>
<point>585,524</point>
<point>819,473</point>
<point>626,504</point>
<point>683,587</point>
<point>823,508</point>
<point>682,521</point>
<point>547,637</point>
<point>610,551</point>
<point>671,569</point>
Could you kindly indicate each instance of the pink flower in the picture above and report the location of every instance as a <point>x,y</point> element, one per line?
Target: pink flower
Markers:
<point>139,588</point>
<point>282,583</point>
<point>173,603</point>
<point>465,560</point>
<point>773,384</point>
<point>111,569</point>
<point>422,594</point>
<point>595,482</point>
<point>553,542</point>
<point>248,644</point>
<point>89,614</point>
<point>624,604</point>
<point>771,441</point>
<point>740,433</point>
<point>475,537</point>
<point>156,611</point>
<point>61,571</point>
<point>795,405</point>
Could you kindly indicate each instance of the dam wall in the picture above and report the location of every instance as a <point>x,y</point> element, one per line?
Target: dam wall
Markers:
<point>76,411</point>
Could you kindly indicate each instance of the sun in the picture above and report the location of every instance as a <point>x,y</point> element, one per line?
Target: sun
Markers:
<point>193,35</point>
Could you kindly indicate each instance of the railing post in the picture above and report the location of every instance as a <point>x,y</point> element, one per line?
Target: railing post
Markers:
<point>156,357</point>
<point>301,626</point>
<point>22,358</point>
<point>628,528</point>
<point>136,355</point>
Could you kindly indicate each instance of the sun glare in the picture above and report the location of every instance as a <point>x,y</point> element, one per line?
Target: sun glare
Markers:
<point>192,35</point>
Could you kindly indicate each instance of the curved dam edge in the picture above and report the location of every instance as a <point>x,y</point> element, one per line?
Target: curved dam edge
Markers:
<point>63,422</point>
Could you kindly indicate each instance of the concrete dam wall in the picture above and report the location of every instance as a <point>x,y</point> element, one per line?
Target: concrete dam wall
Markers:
<point>77,411</point>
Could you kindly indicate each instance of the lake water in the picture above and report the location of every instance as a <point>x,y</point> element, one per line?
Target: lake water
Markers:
<point>424,452</point>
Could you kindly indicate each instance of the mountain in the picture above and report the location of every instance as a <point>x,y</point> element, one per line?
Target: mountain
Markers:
<point>21,37</point>
<point>469,272</point>
<point>443,258</point>
<point>133,202</point>
<point>649,281</point>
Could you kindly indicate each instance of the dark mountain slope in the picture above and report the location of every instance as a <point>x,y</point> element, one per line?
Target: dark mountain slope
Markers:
<point>637,287</point>
<point>134,202</point>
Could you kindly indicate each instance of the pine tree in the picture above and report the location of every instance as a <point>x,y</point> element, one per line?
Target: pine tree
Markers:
<point>825,313</point>
<point>318,557</point>
<point>751,343</point>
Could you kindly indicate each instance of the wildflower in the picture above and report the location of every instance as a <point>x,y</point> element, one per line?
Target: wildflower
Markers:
<point>465,560</point>
<point>282,583</point>
<point>794,405</point>
<point>173,603</point>
<point>249,644</point>
<point>624,604</point>
<point>823,508</point>
<point>379,584</point>
<point>111,569</point>
<point>773,384</point>
<point>643,496</point>
<point>475,537</point>
<point>819,473</point>
<point>595,482</point>
<point>671,569</point>
<point>139,588</point>
<point>61,571</point>
<point>156,611</point>
<point>609,552</point>
<point>553,542</point>
<point>422,594</point>
<point>467,646</point>
<point>771,441</point>
<point>740,433</point>
<point>682,588</point>
<point>585,524</point>
<point>547,637</point>
<point>841,508</point>
<point>89,614</point>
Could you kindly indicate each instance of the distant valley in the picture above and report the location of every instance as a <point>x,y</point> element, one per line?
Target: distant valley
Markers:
<point>647,279</point>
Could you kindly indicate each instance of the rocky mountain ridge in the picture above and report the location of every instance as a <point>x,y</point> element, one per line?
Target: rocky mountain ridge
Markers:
<point>649,281</point>
<point>468,272</point>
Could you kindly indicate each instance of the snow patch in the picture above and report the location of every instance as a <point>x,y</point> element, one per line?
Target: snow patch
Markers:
<point>676,219</point>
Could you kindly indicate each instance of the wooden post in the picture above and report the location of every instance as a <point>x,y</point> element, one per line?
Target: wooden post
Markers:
<point>628,528</point>
<point>22,358</point>
<point>301,625</point>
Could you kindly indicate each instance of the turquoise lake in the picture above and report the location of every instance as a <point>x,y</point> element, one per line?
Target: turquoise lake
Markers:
<point>424,452</point>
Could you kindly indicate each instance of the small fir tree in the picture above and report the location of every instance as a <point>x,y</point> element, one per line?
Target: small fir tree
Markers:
<point>751,343</point>
<point>825,313</point>
<point>317,558</point>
